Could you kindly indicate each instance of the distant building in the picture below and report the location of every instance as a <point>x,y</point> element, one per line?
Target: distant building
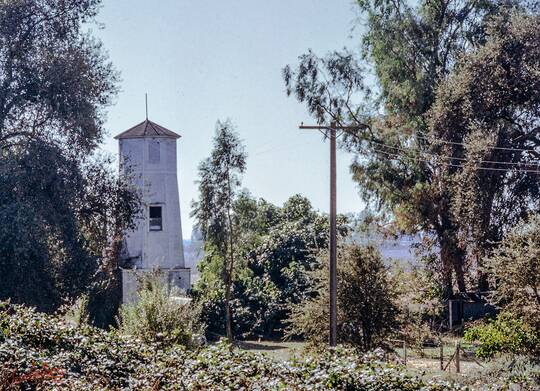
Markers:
<point>148,156</point>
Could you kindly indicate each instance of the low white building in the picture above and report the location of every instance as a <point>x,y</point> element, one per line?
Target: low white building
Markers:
<point>148,156</point>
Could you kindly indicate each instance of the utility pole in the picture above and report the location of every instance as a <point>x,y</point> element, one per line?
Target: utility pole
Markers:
<point>330,132</point>
<point>333,239</point>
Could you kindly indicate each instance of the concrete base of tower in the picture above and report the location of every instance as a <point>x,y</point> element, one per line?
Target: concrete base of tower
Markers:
<point>177,280</point>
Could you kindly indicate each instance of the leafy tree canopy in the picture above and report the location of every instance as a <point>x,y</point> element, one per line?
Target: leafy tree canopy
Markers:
<point>419,119</point>
<point>61,219</point>
<point>489,108</point>
<point>277,245</point>
<point>65,209</point>
<point>55,79</point>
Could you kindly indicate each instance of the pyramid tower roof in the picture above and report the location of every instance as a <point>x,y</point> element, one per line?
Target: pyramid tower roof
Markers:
<point>147,128</point>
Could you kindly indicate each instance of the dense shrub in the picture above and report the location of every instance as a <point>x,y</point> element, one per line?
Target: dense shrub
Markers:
<point>76,314</point>
<point>514,270</point>
<point>505,334</point>
<point>156,316</point>
<point>81,357</point>
<point>366,297</point>
<point>44,352</point>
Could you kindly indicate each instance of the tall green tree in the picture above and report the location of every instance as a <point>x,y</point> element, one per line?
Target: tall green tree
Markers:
<point>275,264</point>
<point>62,206</point>
<point>62,225</point>
<point>401,164</point>
<point>219,182</point>
<point>489,111</point>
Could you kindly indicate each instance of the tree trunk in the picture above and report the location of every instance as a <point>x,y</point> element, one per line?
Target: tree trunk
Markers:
<point>228,288</point>
<point>228,312</point>
<point>452,258</point>
<point>459,260</point>
<point>448,246</point>
<point>483,283</point>
<point>230,269</point>
<point>446,271</point>
<point>489,234</point>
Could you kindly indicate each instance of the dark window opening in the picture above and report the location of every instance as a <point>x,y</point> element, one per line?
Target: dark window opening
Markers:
<point>156,220</point>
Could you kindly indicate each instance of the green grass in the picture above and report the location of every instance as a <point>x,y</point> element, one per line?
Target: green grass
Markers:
<point>277,350</point>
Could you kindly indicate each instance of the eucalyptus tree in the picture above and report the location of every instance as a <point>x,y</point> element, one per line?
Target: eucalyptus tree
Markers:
<point>488,111</point>
<point>402,166</point>
<point>219,183</point>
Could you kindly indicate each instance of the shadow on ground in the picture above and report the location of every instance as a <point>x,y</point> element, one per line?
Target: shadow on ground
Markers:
<point>247,345</point>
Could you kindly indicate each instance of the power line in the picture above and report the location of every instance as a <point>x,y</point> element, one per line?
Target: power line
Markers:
<point>453,165</point>
<point>346,129</point>
<point>458,158</point>
<point>535,163</point>
<point>463,144</point>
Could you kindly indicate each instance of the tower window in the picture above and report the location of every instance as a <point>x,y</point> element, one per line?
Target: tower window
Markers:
<point>153,152</point>
<point>156,219</point>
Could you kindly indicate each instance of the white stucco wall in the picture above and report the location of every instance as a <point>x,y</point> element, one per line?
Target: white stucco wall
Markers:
<point>159,184</point>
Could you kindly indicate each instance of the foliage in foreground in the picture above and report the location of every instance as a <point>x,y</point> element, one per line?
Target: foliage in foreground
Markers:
<point>42,351</point>
<point>509,372</point>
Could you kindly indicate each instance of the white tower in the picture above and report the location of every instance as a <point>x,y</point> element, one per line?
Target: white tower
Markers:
<point>148,156</point>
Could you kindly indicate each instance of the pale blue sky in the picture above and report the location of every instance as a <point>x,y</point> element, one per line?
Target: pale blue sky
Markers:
<point>203,60</point>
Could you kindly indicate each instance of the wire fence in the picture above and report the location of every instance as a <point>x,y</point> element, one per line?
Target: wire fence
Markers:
<point>443,355</point>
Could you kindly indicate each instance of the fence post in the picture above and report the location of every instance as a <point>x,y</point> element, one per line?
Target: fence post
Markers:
<point>458,348</point>
<point>441,355</point>
<point>450,315</point>
<point>405,352</point>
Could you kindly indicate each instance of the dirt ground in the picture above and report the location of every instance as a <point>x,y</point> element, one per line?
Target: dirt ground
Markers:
<point>275,349</point>
<point>286,350</point>
<point>466,367</point>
